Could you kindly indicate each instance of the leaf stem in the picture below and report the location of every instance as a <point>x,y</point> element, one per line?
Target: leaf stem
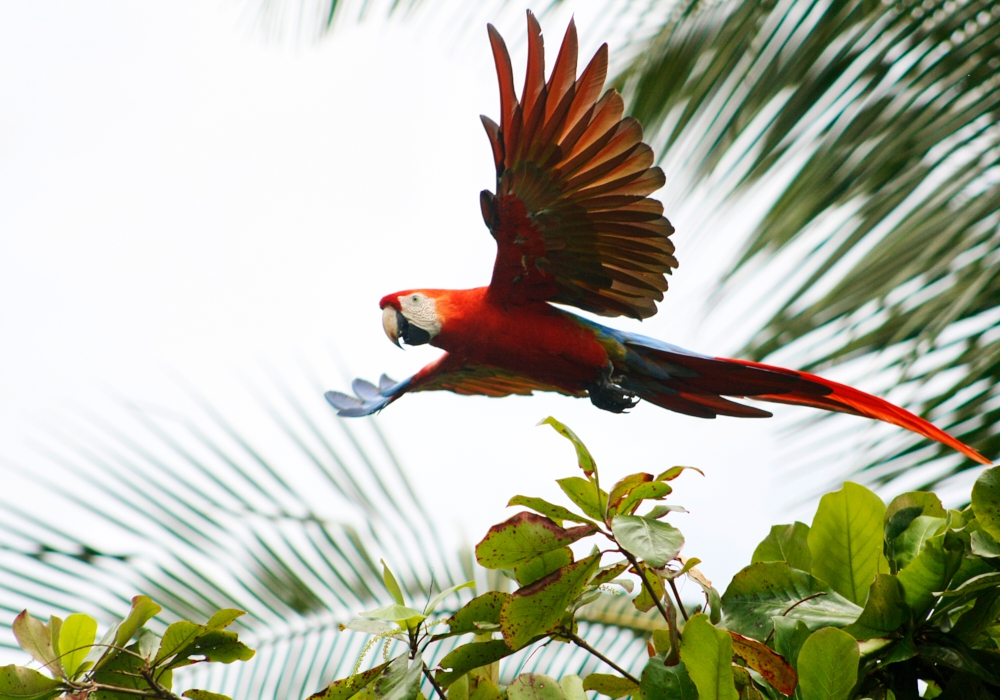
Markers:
<point>790,608</point>
<point>677,597</point>
<point>437,687</point>
<point>649,588</point>
<point>576,639</point>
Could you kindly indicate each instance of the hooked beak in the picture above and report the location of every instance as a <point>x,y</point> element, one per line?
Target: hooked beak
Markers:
<point>391,325</point>
<point>397,327</point>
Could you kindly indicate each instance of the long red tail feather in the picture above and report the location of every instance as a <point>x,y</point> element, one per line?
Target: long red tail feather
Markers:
<point>845,399</point>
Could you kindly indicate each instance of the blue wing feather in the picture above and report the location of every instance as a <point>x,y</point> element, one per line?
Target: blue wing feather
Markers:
<point>370,399</point>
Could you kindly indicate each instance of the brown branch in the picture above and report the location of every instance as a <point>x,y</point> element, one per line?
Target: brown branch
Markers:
<point>434,682</point>
<point>677,596</point>
<point>576,639</point>
<point>649,588</point>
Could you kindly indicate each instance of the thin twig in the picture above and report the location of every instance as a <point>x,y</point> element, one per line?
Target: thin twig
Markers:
<point>437,687</point>
<point>677,596</point>
<point>649,588</point>
<point>789,609</point>
<point>586,647</point>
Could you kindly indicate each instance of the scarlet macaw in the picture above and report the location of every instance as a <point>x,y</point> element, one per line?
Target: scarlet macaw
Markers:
<point>574,225</point>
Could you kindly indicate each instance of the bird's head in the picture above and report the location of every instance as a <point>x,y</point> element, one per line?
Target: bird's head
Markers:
<point>411,317</point>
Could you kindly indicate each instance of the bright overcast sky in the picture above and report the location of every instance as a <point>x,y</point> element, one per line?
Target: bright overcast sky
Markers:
<point>184,199</point>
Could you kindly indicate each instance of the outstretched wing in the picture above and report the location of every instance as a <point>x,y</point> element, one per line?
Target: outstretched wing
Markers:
<point>571,215</point>
<point>444,374</point>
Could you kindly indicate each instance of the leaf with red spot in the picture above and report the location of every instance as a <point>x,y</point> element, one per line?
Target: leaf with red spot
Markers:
<point>523,537</point>
<point>539,608</point>
<point>583,456</point>
<point>767,662</point>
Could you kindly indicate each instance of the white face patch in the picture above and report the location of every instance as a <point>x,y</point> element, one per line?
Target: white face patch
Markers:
<point>420,310</point>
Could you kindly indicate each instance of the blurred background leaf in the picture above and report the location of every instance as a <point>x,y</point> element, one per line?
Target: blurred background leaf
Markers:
<point>874,126</point>
<point>199,515</point>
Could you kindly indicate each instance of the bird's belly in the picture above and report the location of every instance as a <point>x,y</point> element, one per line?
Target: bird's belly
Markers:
<point>553,349</point>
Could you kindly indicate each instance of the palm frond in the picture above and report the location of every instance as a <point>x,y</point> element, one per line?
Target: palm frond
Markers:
<point>289,526</point>
<point>873,128</point>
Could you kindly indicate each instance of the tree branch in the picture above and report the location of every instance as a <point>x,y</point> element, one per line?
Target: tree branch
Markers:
<point>576,639</point>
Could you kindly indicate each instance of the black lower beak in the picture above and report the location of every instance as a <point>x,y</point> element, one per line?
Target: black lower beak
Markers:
<point>411,335</point>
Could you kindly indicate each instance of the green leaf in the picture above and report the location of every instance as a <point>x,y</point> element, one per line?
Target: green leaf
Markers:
<point>572,687</point>
<point>436,600</point>
<point>659,511</point>
<point>142,611</point>
<point>928,503</point>
<point>26,684</point>
<point>223,618</point>
<point>484,608</point>
<point>76,637</point>
<point>654,490</point>
<point>177,637</point>
<point>828,665</point>
<point>124,671</point>
<point>391,585</point>
<point>586,495</point>
<point>772,667</point>
<point>974,622</point>
<point>745,686</point>
<point>674,472</point>
<point>147,643</point>
<point>35,638</point>
<point>535,686</point>
<point>846,541</point>
<point>523,537</point>
<point>982,543</point>
<point>539,608</point>
<point>885,610</point>
<point>482,688</point>
<point>349,687</point>
<point>774,589</point>
<point>610,685</point>
<point>215,645</point>
<point>644,601</point>
<point>369,627</point>
<point>551,510</point>
<point>707,653</point>
<point>195,694</point>
<point>583,457</point>
<point>712,598</point>
<point>929,572</point>
<point>464,658</point>
<point>607,574</point>
<point>55,627</point>
<point>789,636</point>
<point>909,543</point>
<point>653,541</point>
<point>986,501</point>
<point>660,682</point>
<point>544,564</point>
<point>392,613</point>
<point>631,490</point>
<point>459,690</point>
<point>786,543</point>
<point>400,680</point>
<point>975,584</point>
<point>956,656</point>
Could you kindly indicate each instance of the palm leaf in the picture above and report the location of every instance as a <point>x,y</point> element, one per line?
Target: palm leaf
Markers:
<point>197,516</point>
<point>881,118</point>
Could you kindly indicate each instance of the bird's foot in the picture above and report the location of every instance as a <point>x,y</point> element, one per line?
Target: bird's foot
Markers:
<point>606,394</point>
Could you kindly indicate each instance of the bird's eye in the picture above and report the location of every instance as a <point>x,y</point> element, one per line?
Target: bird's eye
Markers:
<point>415,299</point>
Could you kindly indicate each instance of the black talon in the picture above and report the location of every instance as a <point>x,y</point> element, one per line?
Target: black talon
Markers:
<point>606,394</point>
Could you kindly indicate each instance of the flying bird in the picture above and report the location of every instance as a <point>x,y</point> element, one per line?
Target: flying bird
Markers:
<point>575,225</point>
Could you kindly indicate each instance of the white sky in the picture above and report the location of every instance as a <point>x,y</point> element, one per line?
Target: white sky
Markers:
<point>180,197</point>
